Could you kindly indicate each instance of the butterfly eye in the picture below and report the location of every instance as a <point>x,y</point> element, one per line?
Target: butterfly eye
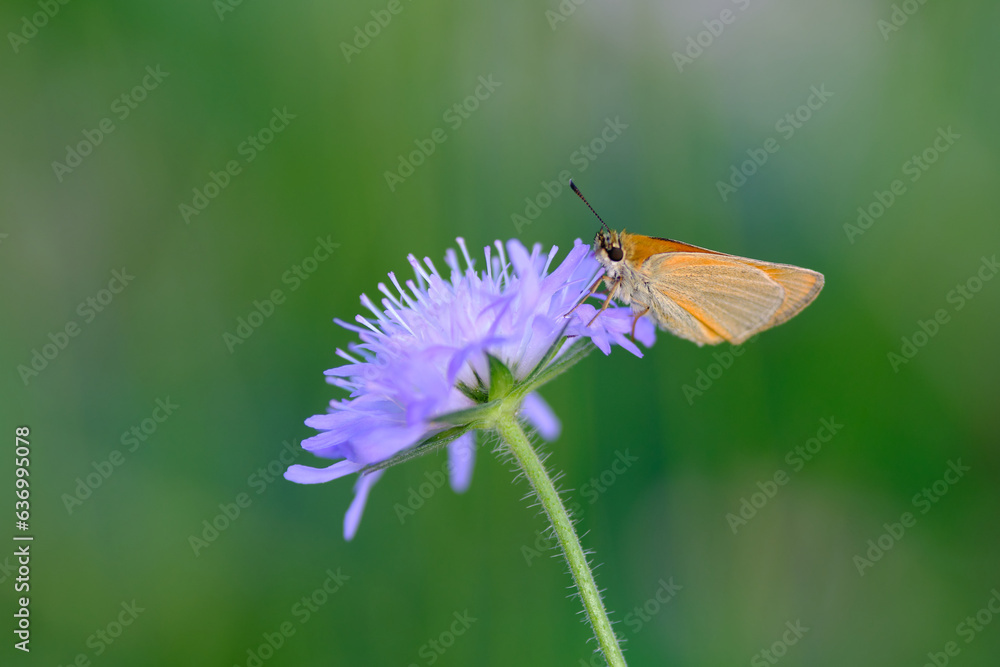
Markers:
<point>615,254</point>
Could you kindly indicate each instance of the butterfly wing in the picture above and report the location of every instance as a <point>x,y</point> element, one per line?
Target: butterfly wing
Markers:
<point>801,287</point>
<point>731,299</point>
<point>710,297</point>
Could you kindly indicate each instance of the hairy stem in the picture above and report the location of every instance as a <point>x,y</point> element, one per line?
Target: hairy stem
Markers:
<point>527,458</point>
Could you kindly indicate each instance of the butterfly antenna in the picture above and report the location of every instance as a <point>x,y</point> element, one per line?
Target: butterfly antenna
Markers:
<point>580,195</point>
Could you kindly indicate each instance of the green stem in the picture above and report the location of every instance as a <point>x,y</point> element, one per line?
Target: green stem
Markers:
<point>514,437</point>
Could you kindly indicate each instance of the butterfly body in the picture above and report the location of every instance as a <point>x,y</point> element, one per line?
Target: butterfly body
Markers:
<point>704,296</point>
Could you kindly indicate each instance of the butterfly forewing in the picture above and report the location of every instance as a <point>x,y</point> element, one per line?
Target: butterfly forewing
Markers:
<point>801,286</point>
<point>729,297</point>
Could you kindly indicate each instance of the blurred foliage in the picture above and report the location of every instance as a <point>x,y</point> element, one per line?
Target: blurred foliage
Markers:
<point>323,177</point>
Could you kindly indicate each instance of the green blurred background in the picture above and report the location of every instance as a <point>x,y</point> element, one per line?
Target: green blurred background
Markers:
<point>697,456</point>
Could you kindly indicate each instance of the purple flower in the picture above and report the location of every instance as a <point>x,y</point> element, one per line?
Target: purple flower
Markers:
<point>422,374</point>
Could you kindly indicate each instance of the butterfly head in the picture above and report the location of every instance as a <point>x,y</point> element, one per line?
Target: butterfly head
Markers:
<point>608,249</point>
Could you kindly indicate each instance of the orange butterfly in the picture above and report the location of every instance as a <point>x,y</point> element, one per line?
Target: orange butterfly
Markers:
<point>695,293</point>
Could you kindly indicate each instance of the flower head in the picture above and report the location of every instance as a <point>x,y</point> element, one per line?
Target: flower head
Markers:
<point>441,352</point>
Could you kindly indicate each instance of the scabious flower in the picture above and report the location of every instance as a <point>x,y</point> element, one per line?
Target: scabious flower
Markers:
<point>443,354</point>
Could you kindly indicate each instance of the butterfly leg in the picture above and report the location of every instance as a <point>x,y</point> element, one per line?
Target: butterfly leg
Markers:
<point>634,321</point>
<point>607,302</point>
<point>593,288</point>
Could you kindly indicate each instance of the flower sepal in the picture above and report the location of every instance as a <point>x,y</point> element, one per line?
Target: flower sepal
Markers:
<point>478,413</point>
<point>501,379</point>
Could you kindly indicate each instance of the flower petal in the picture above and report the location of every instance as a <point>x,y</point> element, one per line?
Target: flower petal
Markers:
<point>353,517</point>
<point>306,475</point>
<point>626,344</point>
<point>461,460</point>
<point>384,443</point>
<point>540,415</point>
<point>645,332</point>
